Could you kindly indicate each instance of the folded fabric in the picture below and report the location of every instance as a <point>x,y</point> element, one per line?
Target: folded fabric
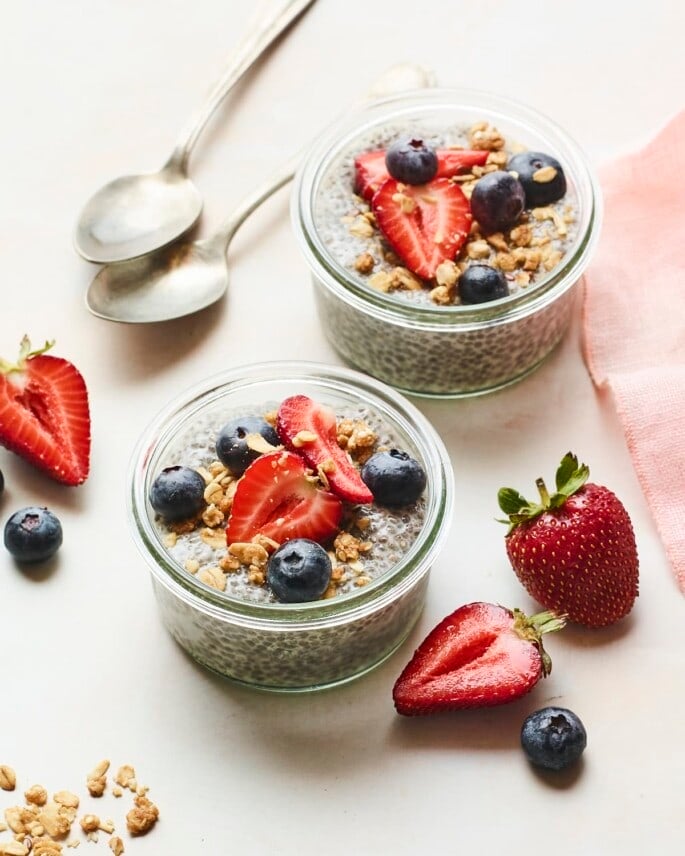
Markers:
<point>634,321</point>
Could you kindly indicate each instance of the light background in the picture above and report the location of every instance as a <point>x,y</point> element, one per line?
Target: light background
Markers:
<point>95,89</point>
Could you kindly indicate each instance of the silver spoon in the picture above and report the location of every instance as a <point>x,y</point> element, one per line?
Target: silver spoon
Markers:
<point>189,276</point>
<point>136,214</point>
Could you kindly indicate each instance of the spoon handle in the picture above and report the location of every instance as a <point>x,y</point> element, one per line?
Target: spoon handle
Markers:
<point>222,237</point>
<point>248,51</point>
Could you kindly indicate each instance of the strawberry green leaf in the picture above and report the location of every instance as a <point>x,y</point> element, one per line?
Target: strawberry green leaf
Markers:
<point>25,353</point>
<point>511,501</point>
<point>570,477</point>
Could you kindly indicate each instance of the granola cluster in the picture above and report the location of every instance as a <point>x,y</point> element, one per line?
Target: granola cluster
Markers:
<point>251,558</point>
<point>44,826</point>
<point>531,248</point>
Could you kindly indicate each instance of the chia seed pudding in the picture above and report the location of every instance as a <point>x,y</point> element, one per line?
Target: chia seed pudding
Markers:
<point>214,602</point>
<point>413,331</point>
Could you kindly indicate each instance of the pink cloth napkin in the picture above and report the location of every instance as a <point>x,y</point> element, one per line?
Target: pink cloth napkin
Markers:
<point>634,321</point>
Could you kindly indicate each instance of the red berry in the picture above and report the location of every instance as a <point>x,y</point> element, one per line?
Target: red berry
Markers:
<point>574,551</point>
<point>425,224</point>
<point>479,656</point>
<point>44,414</point>
<point>310,429</point>
<point>277,498</point>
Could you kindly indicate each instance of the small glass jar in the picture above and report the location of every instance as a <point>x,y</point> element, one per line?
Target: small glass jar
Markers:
<point>422,348</point>
<point>282,646</point>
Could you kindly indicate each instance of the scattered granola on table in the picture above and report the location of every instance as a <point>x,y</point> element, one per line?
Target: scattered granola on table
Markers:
<point>42,826</point>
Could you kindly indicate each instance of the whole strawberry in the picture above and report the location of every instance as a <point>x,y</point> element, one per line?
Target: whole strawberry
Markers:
<point>574,551</point>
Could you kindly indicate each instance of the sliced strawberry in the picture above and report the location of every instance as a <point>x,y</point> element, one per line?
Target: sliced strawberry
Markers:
<point>44,414</point>
<point>479,656</point>
<point>370,171</point>
<point>310,429</point>
<point>425,224</point>
<point>276,498</point>
<point>454,161</point>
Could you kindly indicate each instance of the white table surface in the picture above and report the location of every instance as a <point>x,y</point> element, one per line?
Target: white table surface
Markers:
<point>93,90</point>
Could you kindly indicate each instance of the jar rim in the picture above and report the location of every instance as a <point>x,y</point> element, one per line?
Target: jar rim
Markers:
<point>342,282</point>
<point>406,418</point>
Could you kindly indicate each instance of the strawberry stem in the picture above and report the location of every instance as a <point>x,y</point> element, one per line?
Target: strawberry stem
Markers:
<point>25,353</point>
<point>544,493</point>
<point>533,628</point>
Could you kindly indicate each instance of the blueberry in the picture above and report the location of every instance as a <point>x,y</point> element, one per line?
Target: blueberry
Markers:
<point>231,446</point>
<point>553,737</point>
<point>481,283</point>
<point>177,493</point>
<point>527,164</point>
<point>33,534</point>
<point>394,478</point>
<point>412,161</point>
<point>497,201</point>
<point>299,571</point>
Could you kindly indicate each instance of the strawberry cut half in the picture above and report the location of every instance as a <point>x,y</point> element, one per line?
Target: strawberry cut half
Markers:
<point>479,656</point>
<point>310,429</point>
<point>44,414</point>
<point>276,498</point>
<point>426,224</point>
<point>370,170</point>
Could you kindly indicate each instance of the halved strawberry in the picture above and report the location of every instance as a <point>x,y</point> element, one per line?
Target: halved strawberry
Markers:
<point>425,224</point>
<point>453,161</point>
<point>276,498</point>
<point>310,429</point>
<point>370,171</point>
<point>44,414</point>
<point>479,656</point>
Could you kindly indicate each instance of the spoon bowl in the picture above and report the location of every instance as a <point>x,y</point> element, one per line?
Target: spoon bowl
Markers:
<point>183,278</point>
<point>136,214</point>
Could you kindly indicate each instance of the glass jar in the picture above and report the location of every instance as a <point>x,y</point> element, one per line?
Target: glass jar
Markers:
<point>283,646</point>
<point>419,347</point>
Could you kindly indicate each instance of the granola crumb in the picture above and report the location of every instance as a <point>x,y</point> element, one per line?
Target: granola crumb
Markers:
<point>36,795</point>
<point>97,779</point>
<point>117,791</point>
<point>215,538</point>
<point>212,516</point>
<point>55,820</point>
<point>446,274</point>
<point>382,280</point>
<point>249,553</point>
<point>192,566</point>
<point>364,263</point>
<point>13,848</point>
<point>73,843</point>
<point>90,822</point>
<point>347,547</point>
<point>125,775</point>
<point>45,847</point>
<point>214,578</point>
<point>405,280</point>
<point>304,438</point>
<point>116,845</point>
<point>229,564</point>
<point>141,818</point>
<point>483,136</point>
<point>8,778</point>
<point>361,228</point>
<point>478,249</point>
<point>66,799</point>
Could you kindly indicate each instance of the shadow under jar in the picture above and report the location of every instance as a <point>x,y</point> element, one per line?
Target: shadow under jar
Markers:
<point>416,346</point>
<point>285,646</point>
